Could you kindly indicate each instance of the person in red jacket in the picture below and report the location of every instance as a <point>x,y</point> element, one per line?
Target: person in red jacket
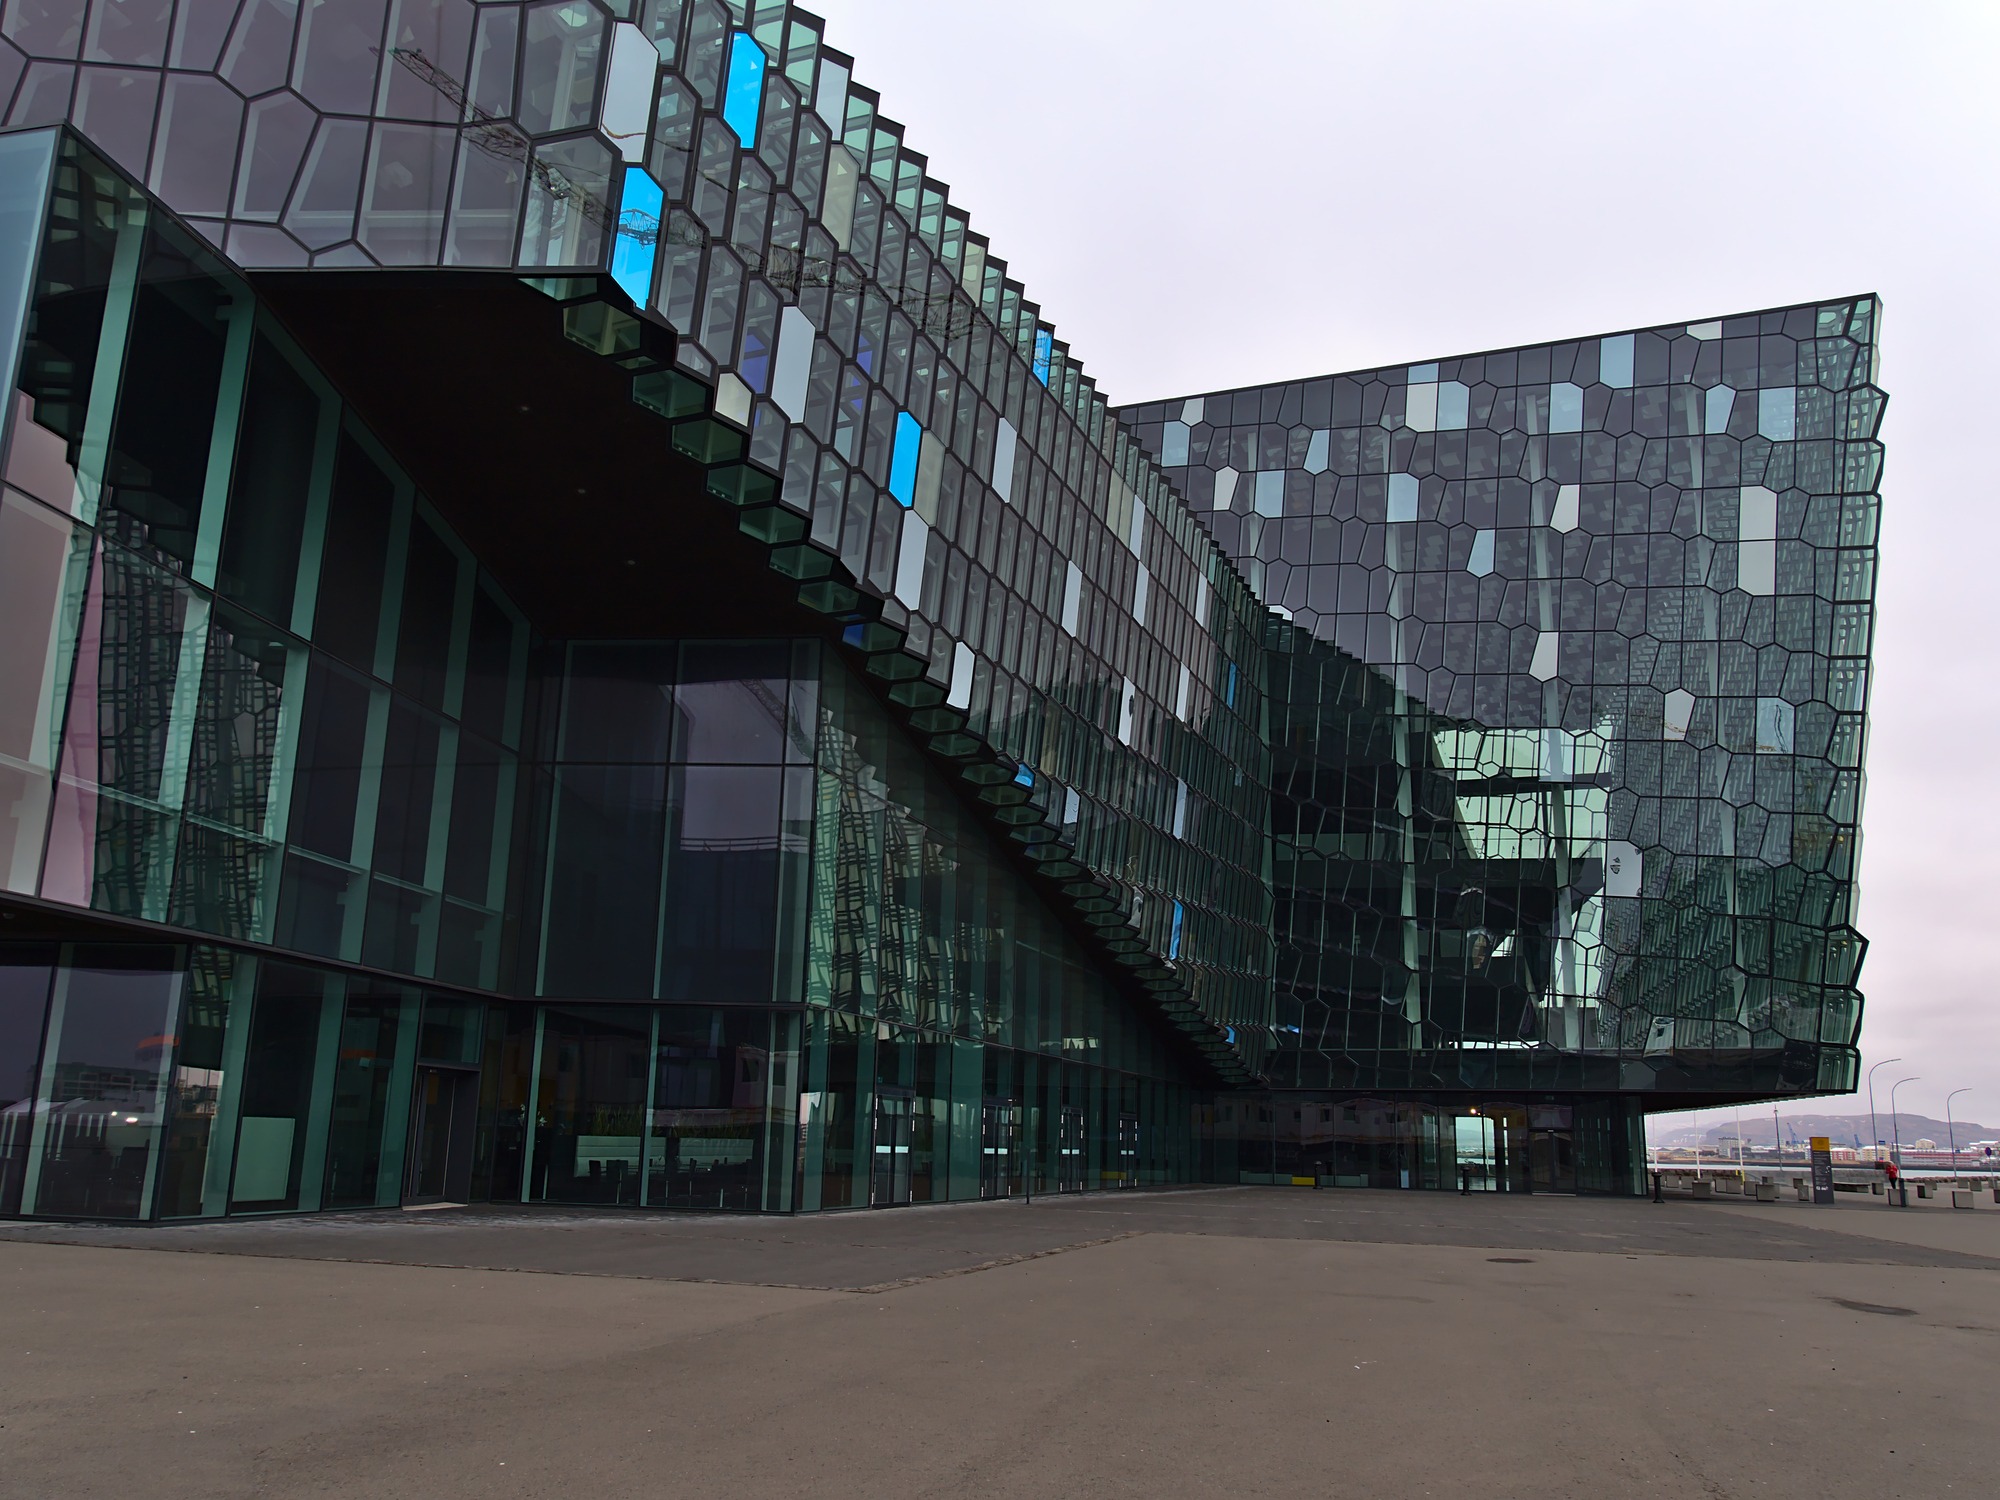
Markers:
<point>1893,1172</point>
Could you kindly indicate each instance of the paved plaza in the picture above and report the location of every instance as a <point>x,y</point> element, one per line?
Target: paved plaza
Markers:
<point>1240,1341</point>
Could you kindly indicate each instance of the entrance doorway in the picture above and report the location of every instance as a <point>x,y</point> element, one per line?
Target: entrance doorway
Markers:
<point>441,1124</point>
<point>1477,1154</point>
<point>1128,1151</point>
<point>1069,1151</point>
<point>1552,1159</point>
<point>999,1148</point>
<point>889,1179</point>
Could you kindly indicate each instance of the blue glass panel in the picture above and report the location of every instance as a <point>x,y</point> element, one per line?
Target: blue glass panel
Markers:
<point>903,460</point>
<point>1044,352</point>
<point>638,240</point>
<point>1024,776</point>
<point>1174,942</point>
<point>743,97</point>
<point>1229,693</point>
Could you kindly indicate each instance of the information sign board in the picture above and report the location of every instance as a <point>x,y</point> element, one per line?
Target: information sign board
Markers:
<point>1822,1169</point>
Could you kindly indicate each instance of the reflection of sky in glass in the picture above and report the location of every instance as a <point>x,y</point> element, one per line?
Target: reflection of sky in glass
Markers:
<point>726,808</point>
<point>903,465</point>
<point>731,721</point>
<point>743,98</point>
<point>637,242</point>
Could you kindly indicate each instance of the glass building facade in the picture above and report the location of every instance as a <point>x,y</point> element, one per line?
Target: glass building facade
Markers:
<point>568,634</point>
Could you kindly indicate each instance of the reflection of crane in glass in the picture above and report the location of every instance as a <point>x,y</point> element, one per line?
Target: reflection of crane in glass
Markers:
<point>773,703</point>
<point>943,315</point>
<point>501,140</point>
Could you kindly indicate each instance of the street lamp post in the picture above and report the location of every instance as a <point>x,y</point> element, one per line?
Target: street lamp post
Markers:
<point>1951,1131</point>
<point>1874,1130</point>
<point>1896,1137</point>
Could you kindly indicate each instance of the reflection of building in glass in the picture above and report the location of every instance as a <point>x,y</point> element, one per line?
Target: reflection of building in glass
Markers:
<point>685,695</point>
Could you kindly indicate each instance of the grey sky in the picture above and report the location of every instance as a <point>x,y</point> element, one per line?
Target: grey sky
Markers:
<point>1203,195</point>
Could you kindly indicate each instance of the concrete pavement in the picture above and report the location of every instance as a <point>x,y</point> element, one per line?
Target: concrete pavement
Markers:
<point>1236,1341</point>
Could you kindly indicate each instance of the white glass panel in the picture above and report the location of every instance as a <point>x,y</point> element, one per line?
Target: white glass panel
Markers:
<point>1547,648</point>
<point>1481,561</point>
<point>628,91</point>
<point>910,561</point>
<point>1420,407</point>
<point>793,364</point>
<point>1564,516</point>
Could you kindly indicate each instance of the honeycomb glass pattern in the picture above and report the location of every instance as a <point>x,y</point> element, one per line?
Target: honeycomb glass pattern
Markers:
<point>725,213</point>
<point>1510,709</point>
<point>1567,682</point>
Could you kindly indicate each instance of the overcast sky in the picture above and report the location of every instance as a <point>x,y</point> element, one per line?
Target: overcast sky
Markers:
<point>1202,196</point>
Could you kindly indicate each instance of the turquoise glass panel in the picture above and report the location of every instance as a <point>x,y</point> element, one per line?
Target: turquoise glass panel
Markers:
<point>1777,412</point>
<point>903,459</point>
<point>1402,496</point>
<point>743,97</point>
<point>637,242</point>
<point>1565,407</point>
<point>1614,360</point>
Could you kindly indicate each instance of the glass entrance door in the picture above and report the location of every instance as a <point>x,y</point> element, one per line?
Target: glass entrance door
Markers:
<point>889,1183</point>
<point>1552,1158</point>
<point>1128,1151</point>
<point>440,1167</point>
<point>999,1148</point>
<point>1069,1151</point>
<point>1475,1156</point>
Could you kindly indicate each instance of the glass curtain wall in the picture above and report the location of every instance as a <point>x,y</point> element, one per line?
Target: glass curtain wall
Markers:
<point>667,1106</point>
<point>1555,1143</point>
<point>188,1081</point>
<point>682,813</point>
<point>253,686</point>
<point>1568,672</point>
<point>957,1044</point>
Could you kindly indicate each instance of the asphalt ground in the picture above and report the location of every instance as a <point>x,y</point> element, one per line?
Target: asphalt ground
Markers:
<point>1239,1341</point>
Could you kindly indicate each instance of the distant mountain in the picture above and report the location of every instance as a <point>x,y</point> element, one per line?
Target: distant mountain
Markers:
<point>1843,1130</point>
